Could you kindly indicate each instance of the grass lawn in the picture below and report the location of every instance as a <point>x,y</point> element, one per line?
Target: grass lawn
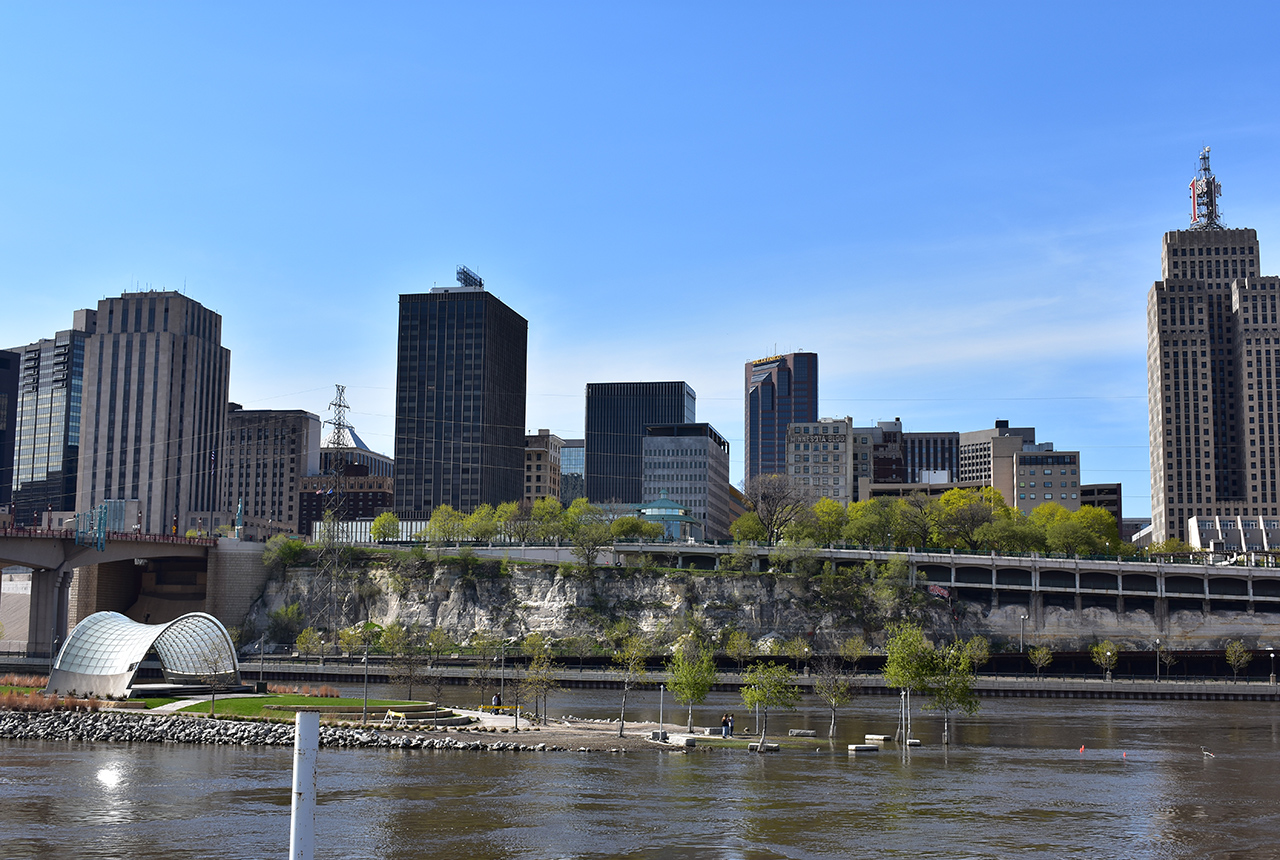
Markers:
<point>256,706</point>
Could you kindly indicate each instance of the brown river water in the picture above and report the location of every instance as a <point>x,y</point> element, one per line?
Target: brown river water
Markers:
<point>1015,785</point>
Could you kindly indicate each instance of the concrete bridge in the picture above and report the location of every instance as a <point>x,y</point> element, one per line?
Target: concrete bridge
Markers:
<point>53,555</point>
<point>1027,580</point>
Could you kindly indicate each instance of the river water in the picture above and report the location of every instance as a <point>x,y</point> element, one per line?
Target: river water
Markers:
<point>1016,784</point>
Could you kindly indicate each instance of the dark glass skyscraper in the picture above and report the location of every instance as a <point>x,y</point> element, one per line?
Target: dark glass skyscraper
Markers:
<point>617,413</point>
<point>780,390</point>
<point>8,421</point>
<point>460,400</point>
<point>47,450</point>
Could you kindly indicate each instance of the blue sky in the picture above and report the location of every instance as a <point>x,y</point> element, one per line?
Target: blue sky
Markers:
<point>958,207</point>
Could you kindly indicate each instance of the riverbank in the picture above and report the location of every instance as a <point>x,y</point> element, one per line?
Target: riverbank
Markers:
<point>112,726</point>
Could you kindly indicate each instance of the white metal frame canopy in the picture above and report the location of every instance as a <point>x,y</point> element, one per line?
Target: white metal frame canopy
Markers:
<point>103,652</point>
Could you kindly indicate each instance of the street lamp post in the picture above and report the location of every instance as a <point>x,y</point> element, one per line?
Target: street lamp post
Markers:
<point>1271,652</point>
<point>1021,619</point>
<point>1108,665</point>
<point>1157,659</point>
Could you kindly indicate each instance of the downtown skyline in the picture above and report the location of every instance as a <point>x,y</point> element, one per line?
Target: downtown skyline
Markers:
<point>961,216</point>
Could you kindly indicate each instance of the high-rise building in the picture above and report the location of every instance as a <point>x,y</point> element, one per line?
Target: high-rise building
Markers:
<point>689,465</point>
<point>1213,361</point>
<point>154,411</point>
<point>781,390</point>
<point>267,454</point>
<point>9,369</point>
<point>542,465</point>
<point>573,468</point>
<point>617,413</point>
<point>460,400</point>
<point>820,459</point>
<point>46,454</point>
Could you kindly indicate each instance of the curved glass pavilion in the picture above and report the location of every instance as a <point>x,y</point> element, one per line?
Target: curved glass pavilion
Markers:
<point>103,652</point>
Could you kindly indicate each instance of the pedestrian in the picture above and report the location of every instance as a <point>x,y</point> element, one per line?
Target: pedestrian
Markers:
<point>724,725</point>
<point>731,725</point>
<point>497,701</point>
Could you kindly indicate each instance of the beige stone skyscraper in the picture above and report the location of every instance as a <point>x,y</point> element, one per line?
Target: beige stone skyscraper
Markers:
<point>1212,338</point>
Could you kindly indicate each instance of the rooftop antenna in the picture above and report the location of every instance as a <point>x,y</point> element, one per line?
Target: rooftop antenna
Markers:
<point>1205,191</point>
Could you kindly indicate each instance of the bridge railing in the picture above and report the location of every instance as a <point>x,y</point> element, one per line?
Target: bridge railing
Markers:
<point>139,537</point>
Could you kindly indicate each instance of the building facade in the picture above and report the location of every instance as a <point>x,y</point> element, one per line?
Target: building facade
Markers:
<point>460,400</point>
<point>617,414</point>
<point>352,494</point>
<point>267,454</point>
<point>821,459</point>
<point>688,464</point>
<point>1213,361</point>
<point>542,465</point>
<point>49,409</point>
<point>154,407</point>
<point>1047,476</point>
<point>573,470</point>
<point>780,390</point>
<point>10,363</point>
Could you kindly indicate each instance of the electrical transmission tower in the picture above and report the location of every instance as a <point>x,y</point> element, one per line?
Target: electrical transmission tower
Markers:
<point>322,607</point>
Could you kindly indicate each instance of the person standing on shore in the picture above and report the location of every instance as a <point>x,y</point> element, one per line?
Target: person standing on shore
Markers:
<point>724,725</point>
<point>730,726</point>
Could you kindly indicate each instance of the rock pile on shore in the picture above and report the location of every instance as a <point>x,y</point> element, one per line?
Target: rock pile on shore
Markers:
<point>123,727</point>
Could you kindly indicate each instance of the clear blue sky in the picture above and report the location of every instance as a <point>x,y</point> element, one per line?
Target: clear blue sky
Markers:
<point>959,208</point>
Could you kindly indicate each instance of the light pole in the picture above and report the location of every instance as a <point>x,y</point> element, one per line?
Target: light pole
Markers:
<point>1157,659</point>
<point>1108,665</point>
<point>1021,618</point>
<point>1271,652</point>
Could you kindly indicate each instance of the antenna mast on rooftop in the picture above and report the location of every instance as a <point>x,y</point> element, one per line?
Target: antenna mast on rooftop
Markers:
<point>1205,191</point>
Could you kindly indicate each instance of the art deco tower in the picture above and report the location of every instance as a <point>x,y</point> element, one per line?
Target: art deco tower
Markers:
<point>1213,361</point>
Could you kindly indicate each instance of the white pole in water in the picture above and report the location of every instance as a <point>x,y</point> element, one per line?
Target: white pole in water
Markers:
<point>302,828</point>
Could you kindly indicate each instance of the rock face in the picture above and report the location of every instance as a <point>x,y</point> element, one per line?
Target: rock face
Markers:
<point>511,600</point>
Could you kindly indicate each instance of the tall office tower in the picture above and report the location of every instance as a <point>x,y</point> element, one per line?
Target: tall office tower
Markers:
<point>1213,352</point>
<point>267,454</point>
<point>820,460</point>
<point>689,464</point>
<point>154,411</point>
<point>617,413</point>
<point>460,398</point>
<point>46,456</point>
<point>573,468</point>
<point>780,390</point>
<point>9,363</point>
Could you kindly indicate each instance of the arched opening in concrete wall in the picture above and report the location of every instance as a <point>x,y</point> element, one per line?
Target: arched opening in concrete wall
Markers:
<point>1228,586</point>
<point>935,572</point>
<point>1099,581</point>
<point>1139,582</point>
<point>973,575</point>
<point>1013,576</point>
<point>1266,588</point>
<point>1057,579</point>
<point>1184,585</point>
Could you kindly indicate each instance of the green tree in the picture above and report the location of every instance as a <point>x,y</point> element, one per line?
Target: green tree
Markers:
<point>870,522</point>
<point>1238,657</point>
<point>1040,658</point>
<point>1014,533</point>
<point>852,650</point>
<point>585,526</point>
<point>917,520</point>
<point>1172,546</point>
<point>739,646</point>
<point>539,675</point>
<point>1072,537</point>
<point>1106,655</point>
<point>890,587</point>
<point>908,663</point>
<point>285,623</point>
<point>769,685</point>
<point>549,518</point>
<point>797,648</point>
<point>517,521</point>
<point>630,658</point>
<point>1100,523</point>
<point>386,526</point>
<point>693,673</point>
<point>831,686</point>
<point>281,553</point>
<point>634,528</point>
<point>486,649</point>
<point>748,528</point>
<point>351,639</point>
<point>962,512</point>
<point>979,649</point>
<point>951,684</point>
<point>309,642</point>
<point>445,526</point>
<point>481,524</point>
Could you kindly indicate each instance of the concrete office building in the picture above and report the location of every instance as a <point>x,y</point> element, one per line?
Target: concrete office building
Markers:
<point>573,469</point>
<point>266,455</point>
<point>1213,353</point>
<point>460,400</point>
<point>617,415</point>
<point>821,459</point>
<point>688,464</point>
<point>542,465</point>
<point>780,390</point>
<point>154,411</point>
<point>49,409</point>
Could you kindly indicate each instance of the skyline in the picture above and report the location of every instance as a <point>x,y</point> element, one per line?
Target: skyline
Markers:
<point>960,211</point>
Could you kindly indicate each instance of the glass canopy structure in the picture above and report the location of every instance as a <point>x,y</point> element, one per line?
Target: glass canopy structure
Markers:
<point>103,652</point>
